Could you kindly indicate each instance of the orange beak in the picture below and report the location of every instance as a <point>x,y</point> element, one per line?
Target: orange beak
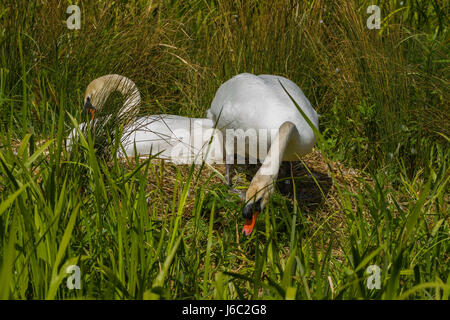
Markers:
<point>89,108</point>
<point>92,113</point>
<point>250,224</point>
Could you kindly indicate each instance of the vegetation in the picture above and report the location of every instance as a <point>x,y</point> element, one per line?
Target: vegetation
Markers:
<point>142,229</point>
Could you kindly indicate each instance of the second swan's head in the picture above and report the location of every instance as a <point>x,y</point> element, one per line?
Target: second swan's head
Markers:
<point>257,197</point>
<point>98,91</point>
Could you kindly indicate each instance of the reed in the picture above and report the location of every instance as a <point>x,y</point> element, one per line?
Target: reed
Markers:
<point>374,192</point>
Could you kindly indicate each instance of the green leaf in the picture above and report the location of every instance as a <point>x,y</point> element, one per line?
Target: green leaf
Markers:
<point>159,281</point>
<point>60,254</point>
<point>37,153</point>
<point>6,203</point>
<point>415,212</point>
<point>23,145</point>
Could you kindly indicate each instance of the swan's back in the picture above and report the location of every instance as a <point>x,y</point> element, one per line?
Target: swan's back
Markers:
<point>174,138</point>
<point>259,102</point>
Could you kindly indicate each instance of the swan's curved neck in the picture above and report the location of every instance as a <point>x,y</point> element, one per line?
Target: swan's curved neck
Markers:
<point>100,89</point>
<point>271,165</point>
<point>132,96</point>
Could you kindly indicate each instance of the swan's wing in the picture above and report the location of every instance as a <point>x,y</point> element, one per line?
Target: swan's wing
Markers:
<point>175,138</point>
<point>240,102</point>
<point>295,92</point>
<point>248,101</point>
<point>154,134</point>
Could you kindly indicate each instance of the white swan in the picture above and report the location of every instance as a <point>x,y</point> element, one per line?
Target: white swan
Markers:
<point>180,140</point>
<point>177,139</point>
<point>260,106</point>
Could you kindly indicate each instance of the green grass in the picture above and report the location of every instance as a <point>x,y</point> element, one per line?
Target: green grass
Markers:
<point>383,96</point>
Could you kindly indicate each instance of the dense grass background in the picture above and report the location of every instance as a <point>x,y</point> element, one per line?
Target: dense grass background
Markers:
<point>383,95</point>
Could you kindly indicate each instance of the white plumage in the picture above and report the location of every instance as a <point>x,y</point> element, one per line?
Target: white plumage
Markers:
<point>258,105</point>
<point>247,101</point>
<point>180,140</point>
<point>246,104</point>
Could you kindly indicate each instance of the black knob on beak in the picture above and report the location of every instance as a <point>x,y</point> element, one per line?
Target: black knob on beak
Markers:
<point>250,208</point>
<point>89,109</point>
<point>248,211</point>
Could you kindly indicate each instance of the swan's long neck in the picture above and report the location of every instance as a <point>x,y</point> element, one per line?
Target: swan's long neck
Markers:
<point>268,172</point>
<point>133,98</point>
<point>100,89</point>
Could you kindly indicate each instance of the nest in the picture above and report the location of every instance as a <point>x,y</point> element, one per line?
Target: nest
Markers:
<point>316,190</point>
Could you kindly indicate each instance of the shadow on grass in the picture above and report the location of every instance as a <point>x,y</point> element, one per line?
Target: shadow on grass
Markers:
<point>311,185</point>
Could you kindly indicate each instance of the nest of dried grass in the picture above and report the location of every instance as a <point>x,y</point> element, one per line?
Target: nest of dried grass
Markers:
<point>316,191</point>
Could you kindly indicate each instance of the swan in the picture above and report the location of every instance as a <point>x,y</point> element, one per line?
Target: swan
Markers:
<point>177,139</point>
<point>259,107</point>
